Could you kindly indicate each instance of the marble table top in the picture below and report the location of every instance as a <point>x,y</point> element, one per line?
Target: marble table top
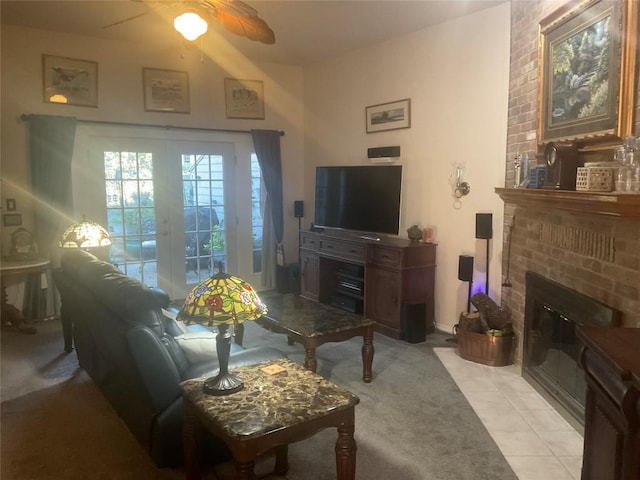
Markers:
<point>307,318</point>
<point>269,402</point>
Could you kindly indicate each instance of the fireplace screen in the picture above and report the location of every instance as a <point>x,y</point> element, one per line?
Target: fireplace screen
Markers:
<point>551,348</point>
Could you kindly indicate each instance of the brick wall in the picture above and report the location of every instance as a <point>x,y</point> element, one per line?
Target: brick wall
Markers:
<point>595,255</point>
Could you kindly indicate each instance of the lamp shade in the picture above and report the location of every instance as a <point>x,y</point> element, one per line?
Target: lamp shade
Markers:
<point>85,235</point>
<point>190,25</point>
<point>222,300</point>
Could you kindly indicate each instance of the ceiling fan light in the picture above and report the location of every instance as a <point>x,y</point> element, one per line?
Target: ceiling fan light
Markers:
<point>190,25</point>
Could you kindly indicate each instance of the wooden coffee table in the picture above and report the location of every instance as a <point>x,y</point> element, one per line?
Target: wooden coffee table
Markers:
<point>312,324</point>
<point>272,411</point>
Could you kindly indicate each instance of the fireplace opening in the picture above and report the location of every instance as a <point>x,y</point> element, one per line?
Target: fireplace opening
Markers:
<point>551,348</point>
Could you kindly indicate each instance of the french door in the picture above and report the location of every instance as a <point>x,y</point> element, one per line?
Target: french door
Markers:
<point>176,210</point>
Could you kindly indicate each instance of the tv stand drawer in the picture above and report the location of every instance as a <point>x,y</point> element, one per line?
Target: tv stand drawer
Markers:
<point>309,240</point>
<point>343,249</point>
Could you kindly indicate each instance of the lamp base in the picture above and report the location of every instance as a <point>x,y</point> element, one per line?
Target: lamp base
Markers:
<point>223,384</point>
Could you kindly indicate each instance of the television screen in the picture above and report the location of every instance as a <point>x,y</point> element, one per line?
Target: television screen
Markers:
<point>363,198</point>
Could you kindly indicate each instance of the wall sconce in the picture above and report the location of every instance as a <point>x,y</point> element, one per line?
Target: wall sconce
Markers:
<point>460,187</point>
<point>190,25</point>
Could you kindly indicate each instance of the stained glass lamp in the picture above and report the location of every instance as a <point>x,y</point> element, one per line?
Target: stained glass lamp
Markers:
<point>222,300</point>
<point>85,235</point>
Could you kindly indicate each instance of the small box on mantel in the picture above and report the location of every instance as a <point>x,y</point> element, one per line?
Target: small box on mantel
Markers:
<point>536,176</point>
<point>595,177</point>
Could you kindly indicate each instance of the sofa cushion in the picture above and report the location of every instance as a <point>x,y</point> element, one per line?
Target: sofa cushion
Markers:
<point>198,346</point>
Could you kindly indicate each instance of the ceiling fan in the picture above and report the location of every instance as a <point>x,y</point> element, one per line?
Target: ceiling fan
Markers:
<point>234,15</point>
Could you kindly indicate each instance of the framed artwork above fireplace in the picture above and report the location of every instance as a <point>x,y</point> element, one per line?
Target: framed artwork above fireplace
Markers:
<point>586,71</point>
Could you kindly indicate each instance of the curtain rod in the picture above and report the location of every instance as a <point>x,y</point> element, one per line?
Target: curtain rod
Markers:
<point>25,117</point>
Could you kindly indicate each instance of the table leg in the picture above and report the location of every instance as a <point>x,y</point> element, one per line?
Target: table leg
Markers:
<point>67,329</point>
<point>346,453</point>
<point>282,460</point>
<point>238,334</point>
<point>191,443</point>
<point>310,362</point>
<point>244,470</point>
<point>367,354</point>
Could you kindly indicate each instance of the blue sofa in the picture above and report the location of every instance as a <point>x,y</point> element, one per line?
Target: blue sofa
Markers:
<point>128,348</point>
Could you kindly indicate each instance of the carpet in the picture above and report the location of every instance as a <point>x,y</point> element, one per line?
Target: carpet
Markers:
<point>413,423</point>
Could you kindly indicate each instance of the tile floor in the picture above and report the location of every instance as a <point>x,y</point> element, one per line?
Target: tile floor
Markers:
<point>537,441</point>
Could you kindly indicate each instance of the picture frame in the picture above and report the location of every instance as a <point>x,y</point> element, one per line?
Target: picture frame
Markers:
<point>12,219</point>
<point>11,204</point>
<point>244,98</point>
<point>589,101</point>
<point>70,81</point>
<point>166,90</point>
<point>388,116</point>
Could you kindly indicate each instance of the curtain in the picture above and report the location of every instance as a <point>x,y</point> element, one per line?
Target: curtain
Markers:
<point>51,141</point>
<point>267,146</point>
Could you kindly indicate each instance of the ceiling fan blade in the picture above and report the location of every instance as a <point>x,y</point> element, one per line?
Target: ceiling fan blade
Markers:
<point>254,28</point>
<point>241,19</point>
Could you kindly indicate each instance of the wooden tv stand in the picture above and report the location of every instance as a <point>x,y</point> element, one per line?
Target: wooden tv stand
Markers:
<point>375,278</point>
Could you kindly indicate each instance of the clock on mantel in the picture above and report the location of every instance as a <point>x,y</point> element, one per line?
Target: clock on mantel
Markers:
<point>624,205</point>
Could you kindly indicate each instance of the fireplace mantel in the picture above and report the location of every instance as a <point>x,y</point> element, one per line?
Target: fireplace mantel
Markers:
<point>593,203</point>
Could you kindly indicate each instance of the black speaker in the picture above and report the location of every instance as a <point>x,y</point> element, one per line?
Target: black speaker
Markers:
<point>288,278</point>
<point>414,322</point>
<point>381,152</point>
<point>298,209</point>
<point>484,226</point>
<point>465,268</point>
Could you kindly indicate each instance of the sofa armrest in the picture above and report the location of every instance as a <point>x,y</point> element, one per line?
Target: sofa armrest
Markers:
<point>155,366</point>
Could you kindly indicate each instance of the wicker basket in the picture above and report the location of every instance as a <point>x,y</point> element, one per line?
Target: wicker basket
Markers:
<point>595,179</point>
<point>485,349</point>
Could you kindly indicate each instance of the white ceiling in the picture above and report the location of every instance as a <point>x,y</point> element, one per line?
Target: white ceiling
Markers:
<point>306,31</point>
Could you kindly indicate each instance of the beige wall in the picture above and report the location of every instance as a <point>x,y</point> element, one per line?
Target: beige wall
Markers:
<point>121,100</point>
<point>456,75</point>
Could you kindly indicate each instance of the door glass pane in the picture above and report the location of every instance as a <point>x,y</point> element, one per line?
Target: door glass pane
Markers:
<point>257,209</point>
<point>203,203</point>
<point>131,213</point>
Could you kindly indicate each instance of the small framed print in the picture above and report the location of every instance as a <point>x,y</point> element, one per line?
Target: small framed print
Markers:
<point>388,116</point>
<point>12,220</point>
<point>244,98</point>
<point>70,81</point>
<point>11,204</point>
<point>166,90</point>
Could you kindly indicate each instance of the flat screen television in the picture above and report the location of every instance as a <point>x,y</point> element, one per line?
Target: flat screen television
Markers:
<point>363,198</point>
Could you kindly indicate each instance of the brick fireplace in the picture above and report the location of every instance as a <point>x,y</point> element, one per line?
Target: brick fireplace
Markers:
<point>581,245</point>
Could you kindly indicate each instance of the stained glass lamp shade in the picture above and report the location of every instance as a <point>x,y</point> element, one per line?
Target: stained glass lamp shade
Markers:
<point>222,300</point>
<point>85,235</point>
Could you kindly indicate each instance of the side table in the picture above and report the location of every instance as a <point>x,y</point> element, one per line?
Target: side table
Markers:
<point>13,267</point>
<point>272,411</point>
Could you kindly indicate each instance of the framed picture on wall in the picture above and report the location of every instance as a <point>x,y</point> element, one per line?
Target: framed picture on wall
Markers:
<point>244,98</point>
<point>586,66</point>
<point>70,81</point>
<point>388,116</point>
<point>166,90</point>
<point>12,219</point>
